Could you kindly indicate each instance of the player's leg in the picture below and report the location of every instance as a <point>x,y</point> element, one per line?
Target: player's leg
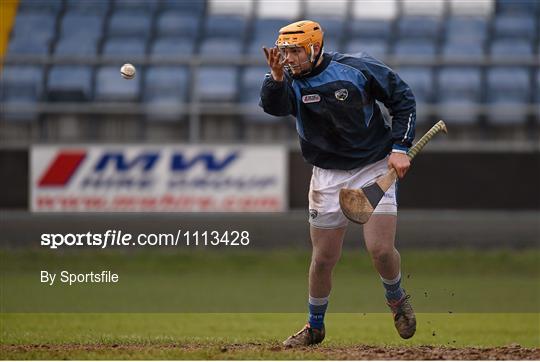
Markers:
<point>326,251</point>
<point>327,230</point>
<point>379,236</point>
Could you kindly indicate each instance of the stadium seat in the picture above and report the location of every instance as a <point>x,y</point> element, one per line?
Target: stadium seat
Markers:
<point>459,91</point>
<point>374,9</point>
<point>335,8</point>
<point>511,48</point>
<point>332,27</point>
<point>509,89</point>
<point>371,28</point>
<point>193,7</point>
<point>251,82</point>
<point>221,47</point>
<point>69,83</point>
<point>463,49</point>
<point>135,6</point>
<point>41,7</point>
<point>515,26</point>
<point>110,87</point>
<point>217,84</point>
<point>166,89</point>
<point>420,49</point>
<point>76,47</point>
<point>517,6</point>
<point>175,23</point>
<point>172,47</point>
<point>21,86</point>
<point>420,80</point>
<point>163,80</point>
<point>27,23</point>
<point>124,46</point>
<point>28,46</point>
<point>225,26</point>
<point>374,47</point>
<point>472,8</point>
<point>126,24</point>
<point>88,7</point>
<point>265,34</point>
<point>466,29</point>
<point>290,11</point>
<point>429,8</point>
<point>238,7</point>
<point>81,26</point>
<point>416,27</point>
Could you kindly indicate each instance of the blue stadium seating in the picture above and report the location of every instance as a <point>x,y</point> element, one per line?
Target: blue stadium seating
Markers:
<point>463,49</point>
<point>178,24</point>
<point>466,29</point>
<point>85,27</point>
<point>73,83</point>
<point>99,7</point>
<point>110,87</point>
<point>124,46</point>
<point>194,7</point>
<point>221,47</point>
<point>27,23</point>
<point>422,49</point>
<point>41,6</point>
<point>419,27</point>
<point>127,24</point>
<point>511,48</point>
<point>515,26</point>
<point>21,85</point>
<point>165,87</point>
<point>169,46</point>
<point>332,27</point>
<point>28,46</point>
<point>136,6</point>
<point>377,48</point>
<point>459,91</point>
<point>371,28</point>
<point>252,79</point>
<point>420,80</point>
<point>76,47</point>
<point>251,82</point>
<point>508,87</point>
<point>166,80</point>
<point>226,26</point>
<point>217,84</point>
<point>517,6</point>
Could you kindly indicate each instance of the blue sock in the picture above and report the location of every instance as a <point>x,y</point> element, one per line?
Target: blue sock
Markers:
<point>317,309</point>
<point>393,288</point>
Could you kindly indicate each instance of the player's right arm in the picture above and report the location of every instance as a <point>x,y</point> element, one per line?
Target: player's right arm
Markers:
<point>277,96</point>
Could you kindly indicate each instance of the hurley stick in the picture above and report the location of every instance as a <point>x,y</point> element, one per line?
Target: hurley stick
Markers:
<point>358,204</point>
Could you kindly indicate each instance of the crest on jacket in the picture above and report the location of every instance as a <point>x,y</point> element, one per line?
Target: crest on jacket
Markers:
<point>341,94</point>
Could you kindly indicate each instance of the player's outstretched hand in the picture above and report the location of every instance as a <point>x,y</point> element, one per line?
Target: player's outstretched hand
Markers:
<point>275,62</point>
<point>400,162</point>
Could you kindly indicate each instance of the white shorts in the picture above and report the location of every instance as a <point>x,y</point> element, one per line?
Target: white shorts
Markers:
<point>324,209</point>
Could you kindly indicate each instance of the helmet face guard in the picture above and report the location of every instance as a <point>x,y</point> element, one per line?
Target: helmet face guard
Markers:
<point>302,34</point>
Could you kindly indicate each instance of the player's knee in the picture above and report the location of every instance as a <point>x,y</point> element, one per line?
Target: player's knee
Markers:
<point>382,254</point>
<point>324,262</point>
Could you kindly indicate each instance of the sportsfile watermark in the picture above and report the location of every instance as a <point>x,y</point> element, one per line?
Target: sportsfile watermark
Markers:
<point>120,238</point>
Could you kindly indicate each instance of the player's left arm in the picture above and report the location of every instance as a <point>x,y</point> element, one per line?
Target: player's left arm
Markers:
<point>386,86</point>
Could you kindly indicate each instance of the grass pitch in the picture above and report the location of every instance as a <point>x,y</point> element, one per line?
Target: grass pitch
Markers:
<point>247,335</point>
<point>242,305</point>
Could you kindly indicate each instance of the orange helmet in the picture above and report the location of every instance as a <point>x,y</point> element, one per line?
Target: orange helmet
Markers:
<point>304,33</point>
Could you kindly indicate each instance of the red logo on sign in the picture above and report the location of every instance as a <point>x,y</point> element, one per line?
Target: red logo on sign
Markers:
<point>62,168</point>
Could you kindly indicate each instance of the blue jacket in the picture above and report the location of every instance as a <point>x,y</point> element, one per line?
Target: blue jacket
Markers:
<point>339,123</point>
